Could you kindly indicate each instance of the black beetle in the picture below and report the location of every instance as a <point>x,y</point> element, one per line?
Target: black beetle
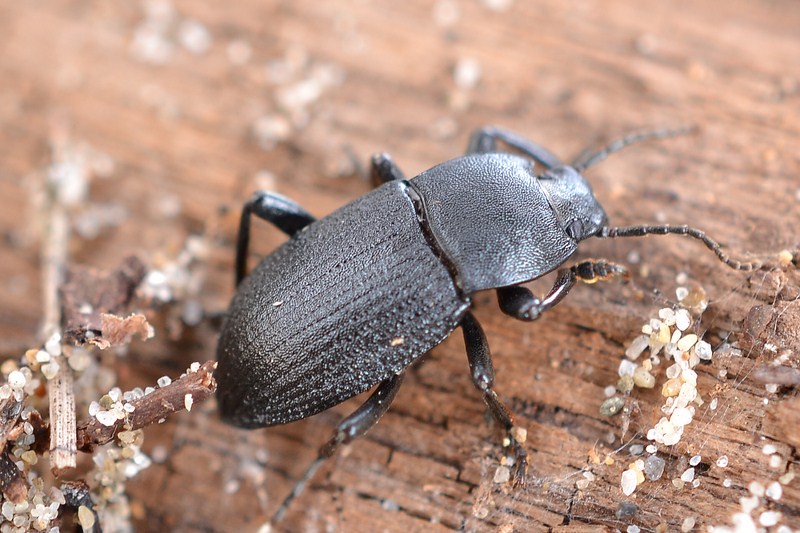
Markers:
<point>349,301</point>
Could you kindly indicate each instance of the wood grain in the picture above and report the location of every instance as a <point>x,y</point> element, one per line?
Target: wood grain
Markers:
<point>566,74</point>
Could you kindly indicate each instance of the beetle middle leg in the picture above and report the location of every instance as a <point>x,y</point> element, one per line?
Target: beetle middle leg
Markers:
<point>383,169</point>
<point>485,139</point>
<point>520,302</point>
<point>284,213</point>
<point>482,371</point>
<point>349,429</point>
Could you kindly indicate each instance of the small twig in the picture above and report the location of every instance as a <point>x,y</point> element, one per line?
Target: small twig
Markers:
<point>63,454</point>
<point>54,258</point>
<point>152,408</point>
<point>63,451</point>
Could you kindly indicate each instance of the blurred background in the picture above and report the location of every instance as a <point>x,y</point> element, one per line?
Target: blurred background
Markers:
<point>165,115</point>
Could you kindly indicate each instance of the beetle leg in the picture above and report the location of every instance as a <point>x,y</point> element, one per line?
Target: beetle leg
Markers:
<point>383,169</point>
<point>485,139</point>
<point>284,213</point>
<point>520,303</point>
<point>480,364</point>
<point>349,429</point>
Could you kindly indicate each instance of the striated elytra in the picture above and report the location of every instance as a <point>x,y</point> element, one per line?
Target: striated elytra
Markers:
<point>350,300</point>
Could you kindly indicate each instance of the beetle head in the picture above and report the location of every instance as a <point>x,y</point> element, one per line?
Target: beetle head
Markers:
<point>571,198</point>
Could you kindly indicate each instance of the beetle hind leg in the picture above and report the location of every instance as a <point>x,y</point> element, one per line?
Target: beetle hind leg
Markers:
<point>349,429</point>
<point>482,371</point>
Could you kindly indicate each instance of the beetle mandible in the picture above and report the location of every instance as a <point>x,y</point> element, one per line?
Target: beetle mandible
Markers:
<point>350,300</point>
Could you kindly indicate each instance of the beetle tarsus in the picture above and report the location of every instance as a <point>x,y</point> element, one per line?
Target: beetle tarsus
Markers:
<point>594,270</point>
<point>519,473</point>
<point>298,489</point>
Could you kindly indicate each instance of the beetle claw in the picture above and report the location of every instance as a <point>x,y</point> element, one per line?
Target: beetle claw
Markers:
<point>519,476</point>
<point>520,469</point>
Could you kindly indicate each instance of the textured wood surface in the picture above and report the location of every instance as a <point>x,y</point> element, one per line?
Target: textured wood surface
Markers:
<point>333,82</point>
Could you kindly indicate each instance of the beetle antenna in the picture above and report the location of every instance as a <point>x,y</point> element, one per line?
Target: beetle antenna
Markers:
<point>711,244</point>
<point>586,161</point>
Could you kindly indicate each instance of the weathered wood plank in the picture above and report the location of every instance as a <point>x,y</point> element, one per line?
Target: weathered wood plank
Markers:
<point>564,74</point>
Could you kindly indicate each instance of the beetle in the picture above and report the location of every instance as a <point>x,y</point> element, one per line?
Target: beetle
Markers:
<point>352,299</point>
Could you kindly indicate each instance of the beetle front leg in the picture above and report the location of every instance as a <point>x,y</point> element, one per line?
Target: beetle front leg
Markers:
<point>484,140</point>
<point>383,169</point>
<point>349,429</point>
<point>520,303</point>
<point>482,371</point>
<point>284,213</point>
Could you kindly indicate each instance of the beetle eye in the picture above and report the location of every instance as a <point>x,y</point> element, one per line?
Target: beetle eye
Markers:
<point>575,230</point>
